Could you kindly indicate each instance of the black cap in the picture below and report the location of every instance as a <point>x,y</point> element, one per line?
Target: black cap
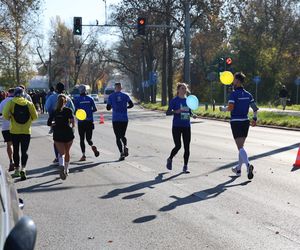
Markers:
<point>60,87</point>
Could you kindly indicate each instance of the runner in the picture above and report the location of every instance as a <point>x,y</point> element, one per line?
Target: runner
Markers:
<point>5,130</point>
<point>117,101</point>
<point>181,125</point>
<point>63,134</point>
<point>238,105</point>
<point>21,113</point>
<point>86,127</point>
<point>51,105</point>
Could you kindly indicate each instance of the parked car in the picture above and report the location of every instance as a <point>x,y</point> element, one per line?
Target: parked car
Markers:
<point>17,232</point>
<point>107,92</point>
<point>95,97</point>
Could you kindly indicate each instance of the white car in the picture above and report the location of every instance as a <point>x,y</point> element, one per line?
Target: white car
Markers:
<point>107,92</point>
<point>17,232</point>
<point>95,97</point>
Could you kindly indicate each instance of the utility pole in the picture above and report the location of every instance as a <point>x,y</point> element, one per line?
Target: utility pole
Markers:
<point>187,41</point>
<point>105,12</point>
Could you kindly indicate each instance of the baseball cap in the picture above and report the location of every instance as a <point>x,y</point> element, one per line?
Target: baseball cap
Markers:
<point>60,87</point>
<point>18,91</point>
<point>81,89</point>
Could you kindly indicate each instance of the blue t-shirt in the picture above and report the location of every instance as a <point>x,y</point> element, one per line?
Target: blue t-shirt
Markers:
<point>118,102</point>
<point>182,119</point>
<point>241,100</point>
<point>87,104</point>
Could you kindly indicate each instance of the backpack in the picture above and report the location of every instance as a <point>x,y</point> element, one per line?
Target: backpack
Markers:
<point>21,113</point>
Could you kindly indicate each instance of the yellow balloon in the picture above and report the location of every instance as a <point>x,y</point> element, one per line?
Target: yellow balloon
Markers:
<point>80,114</point>
<point>226,77</point>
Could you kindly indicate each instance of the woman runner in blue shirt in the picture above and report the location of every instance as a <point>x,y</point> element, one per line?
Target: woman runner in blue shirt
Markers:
<point>238,104</point>
<point>181,125</point>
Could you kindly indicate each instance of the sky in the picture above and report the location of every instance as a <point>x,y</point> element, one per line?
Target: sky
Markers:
<point>89,10</point>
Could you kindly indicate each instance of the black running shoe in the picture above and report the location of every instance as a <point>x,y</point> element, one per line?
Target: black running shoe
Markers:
<point>250,172</point>
<point>126,151</point>
<point>122,157</point>
<point>23,175</point>
<point>169,164</point>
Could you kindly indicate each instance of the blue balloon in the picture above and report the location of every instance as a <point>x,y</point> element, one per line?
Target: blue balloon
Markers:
<point>192,102</point>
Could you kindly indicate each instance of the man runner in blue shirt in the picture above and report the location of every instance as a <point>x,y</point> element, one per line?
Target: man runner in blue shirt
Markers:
<point>86,127</point>
<point>117,101</point>
<point>238,104</point>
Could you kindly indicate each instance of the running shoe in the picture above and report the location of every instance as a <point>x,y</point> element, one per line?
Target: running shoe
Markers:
<point>185,169</point>
<point>23,175</point>
<point>126,151</point>
<point>50,131</point>
<point>11,167</point>
<point>66,171</point>
<point>250,171</point>
<point>122,157</point>
<point>16,174</point>
<point>62,174</point>
<point>55,160</point>
<point>169,164</point>
<point>236,171</point>
<point>83,158</point>
<point>96,152</point>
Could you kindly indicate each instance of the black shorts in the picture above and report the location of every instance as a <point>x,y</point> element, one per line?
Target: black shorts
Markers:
<point>6,135</point>
<point>240,128</point>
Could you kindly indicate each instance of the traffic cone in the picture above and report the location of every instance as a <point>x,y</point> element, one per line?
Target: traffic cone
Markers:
<point>297,162</point>
<point>101,119</point>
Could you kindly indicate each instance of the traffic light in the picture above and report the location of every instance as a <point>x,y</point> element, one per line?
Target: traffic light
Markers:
<point>77,26</point>
<point>221,66</point>
<point>228,64</point>
<point>141,26</point>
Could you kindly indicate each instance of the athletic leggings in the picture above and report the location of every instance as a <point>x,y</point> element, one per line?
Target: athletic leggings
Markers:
<point>186,136</point>
<point>23,140</point>
<point>120,130</point>
<point>85,129</point>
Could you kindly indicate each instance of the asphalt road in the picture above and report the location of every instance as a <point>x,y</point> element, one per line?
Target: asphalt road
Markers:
<point>138,204</point>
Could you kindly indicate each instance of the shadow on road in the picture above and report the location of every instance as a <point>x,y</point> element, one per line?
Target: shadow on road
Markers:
<point>44,187</point>
<point>255,157</point>
<point>138,186</point>
<point>202,195</point>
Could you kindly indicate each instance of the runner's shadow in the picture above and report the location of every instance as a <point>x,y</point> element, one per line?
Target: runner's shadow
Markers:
<point>44,187</point>
<point>147,184</point>
<point>202,195</point>
<point>82,167</point>
<point>255,157</point>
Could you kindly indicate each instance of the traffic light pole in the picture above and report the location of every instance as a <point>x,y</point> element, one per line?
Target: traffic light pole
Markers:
<point>187,41</point>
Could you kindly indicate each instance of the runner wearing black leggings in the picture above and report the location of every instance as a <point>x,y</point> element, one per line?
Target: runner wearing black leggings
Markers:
<point>86,127</point>
<point>181,125</point>
<point>118,101</point>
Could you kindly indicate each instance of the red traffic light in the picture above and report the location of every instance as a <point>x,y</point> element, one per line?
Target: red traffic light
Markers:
<point>142,21</point>
<point>228,61</point>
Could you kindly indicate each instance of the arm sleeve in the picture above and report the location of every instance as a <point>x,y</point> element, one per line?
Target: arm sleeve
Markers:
<point>32,110</point>
<point>48,104</point>
<point>231,98</point>
<point>6,110</point>
<point>70,105</point>
<point>108,106</point>
<point>130,104</point>
<point>94,108</point>
<point>170,108</point>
